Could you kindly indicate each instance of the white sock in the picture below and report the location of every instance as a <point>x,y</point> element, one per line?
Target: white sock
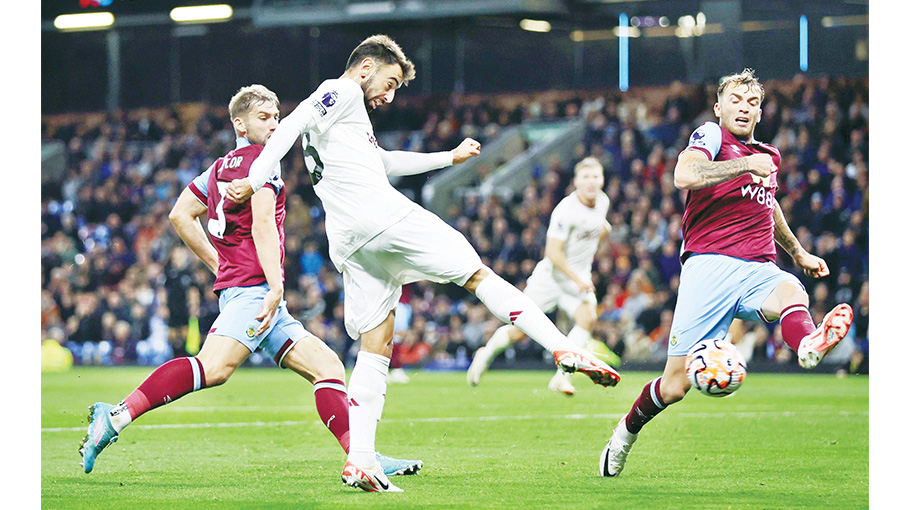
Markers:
<point>511,306</point>
<point>366,390</point>
<point>579,336</point>
<point>120,417</point>
<point>623,433</point>
<point>499,341</point>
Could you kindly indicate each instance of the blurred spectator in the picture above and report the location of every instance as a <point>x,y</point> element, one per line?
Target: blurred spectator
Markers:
<point>859,358</point>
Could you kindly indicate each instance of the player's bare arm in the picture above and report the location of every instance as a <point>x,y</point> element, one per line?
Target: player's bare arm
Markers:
<point>695,171</point>
<point>783,236</point>
<point>554,250</point>
<point>185,217</point>
<point>265,237</point>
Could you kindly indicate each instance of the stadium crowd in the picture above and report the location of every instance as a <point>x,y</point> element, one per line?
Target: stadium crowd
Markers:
<point>119,287</point>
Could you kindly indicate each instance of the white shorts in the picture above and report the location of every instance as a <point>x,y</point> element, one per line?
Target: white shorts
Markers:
<point>549,292</point>
<point>419,247</point>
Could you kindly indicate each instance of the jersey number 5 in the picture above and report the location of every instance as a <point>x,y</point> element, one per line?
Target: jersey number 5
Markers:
<point>312,160</point>
<point>218,223</point>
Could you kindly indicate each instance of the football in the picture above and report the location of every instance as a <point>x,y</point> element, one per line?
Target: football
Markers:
<point>715,367</point>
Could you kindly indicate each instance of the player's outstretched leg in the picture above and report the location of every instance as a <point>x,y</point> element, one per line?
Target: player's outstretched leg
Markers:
<point>648,405</point>
<point>100,434</point>
<point>834,327</point>
<point>510,305</point>
<point>167,383</point>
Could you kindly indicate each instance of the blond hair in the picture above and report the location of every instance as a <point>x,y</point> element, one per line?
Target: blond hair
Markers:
<point>385,51</point>
<point>746,77</point>
<point>588,162</point>
<point>248,97</point>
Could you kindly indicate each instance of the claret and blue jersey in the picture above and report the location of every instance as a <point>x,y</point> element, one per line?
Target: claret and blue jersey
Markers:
<point>230,224</point>
<point>734,217</point>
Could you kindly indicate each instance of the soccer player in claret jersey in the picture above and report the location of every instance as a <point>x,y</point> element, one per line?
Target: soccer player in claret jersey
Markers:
<point>246,254</point>
<point>730,226</point>
<point>379,240</point>
<point>563,278</point>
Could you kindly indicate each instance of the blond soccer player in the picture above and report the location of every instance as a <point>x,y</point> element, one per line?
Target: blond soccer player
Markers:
<point>563,278</point>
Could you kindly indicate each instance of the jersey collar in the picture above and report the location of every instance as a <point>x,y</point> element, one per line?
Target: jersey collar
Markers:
<point>241,143</point>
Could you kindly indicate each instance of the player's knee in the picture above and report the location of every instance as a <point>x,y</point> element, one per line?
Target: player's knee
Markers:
<point>585,316</point>
<point>797,291</point>
<point>790,293</point>
<point>476,278</point>
<point>314,360</point>
<point>673,389</point>
<point>515,334</point>
<point>329,365</point>
<point>217,375</point>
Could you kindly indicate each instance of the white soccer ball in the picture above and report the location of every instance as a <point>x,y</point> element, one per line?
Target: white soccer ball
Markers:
<point>715,368</point>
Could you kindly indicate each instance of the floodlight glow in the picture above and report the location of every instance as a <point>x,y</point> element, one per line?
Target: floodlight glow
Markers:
<point>803,43</point>
<point>534,25</point>
<point>201,13</point>
<point>84,21</point>
<point>623,52</point>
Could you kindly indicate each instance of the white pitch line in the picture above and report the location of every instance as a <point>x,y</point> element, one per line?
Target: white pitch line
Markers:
<point>613,416</point>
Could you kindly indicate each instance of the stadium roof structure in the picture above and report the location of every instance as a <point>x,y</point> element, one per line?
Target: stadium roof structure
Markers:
<point>462,46</point>
<point>267,13</point>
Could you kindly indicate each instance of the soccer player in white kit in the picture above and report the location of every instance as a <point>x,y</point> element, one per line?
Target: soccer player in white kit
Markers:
<point>380,240</point>
<point>563,278</point>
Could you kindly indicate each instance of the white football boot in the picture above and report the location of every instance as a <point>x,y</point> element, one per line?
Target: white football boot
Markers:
<point>613,456</point>
<point>398,375</point>
<point>562,383</point>
<point>371,479</point>
<point>479,365</point>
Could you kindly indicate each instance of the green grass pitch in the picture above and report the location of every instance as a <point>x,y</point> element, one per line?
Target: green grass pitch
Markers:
<point>783,441</point>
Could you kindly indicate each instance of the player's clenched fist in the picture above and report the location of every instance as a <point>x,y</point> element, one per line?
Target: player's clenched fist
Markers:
<point>239,190</point>
<point>760,164</point>
<point>465,151</point>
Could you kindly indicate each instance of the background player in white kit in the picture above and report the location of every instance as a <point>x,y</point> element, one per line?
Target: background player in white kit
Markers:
<point>380,240</point>
<point>563,277</point>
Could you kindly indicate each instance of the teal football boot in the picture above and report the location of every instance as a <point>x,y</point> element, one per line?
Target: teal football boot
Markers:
<point>100,434</point>
<point>395,467</point>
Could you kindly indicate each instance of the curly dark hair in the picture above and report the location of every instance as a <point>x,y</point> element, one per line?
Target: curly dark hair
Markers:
<point>384,50</point>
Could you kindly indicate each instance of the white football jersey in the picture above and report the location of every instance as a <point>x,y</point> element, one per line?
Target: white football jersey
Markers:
<point>347,171</point>
<point>348,168</point>
<point>580,227</point>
